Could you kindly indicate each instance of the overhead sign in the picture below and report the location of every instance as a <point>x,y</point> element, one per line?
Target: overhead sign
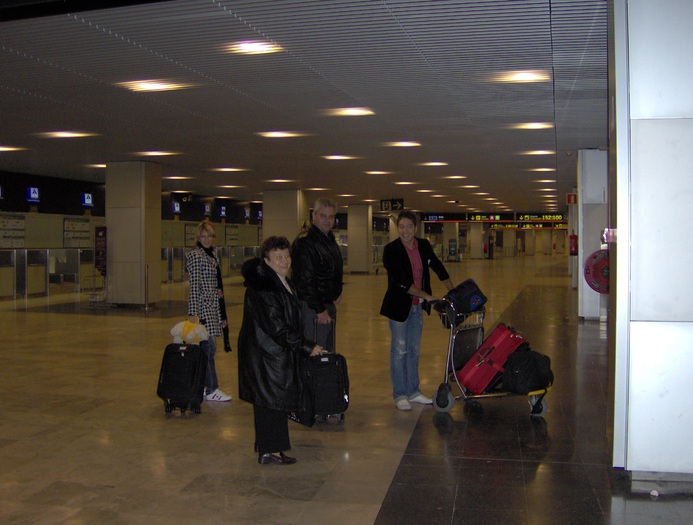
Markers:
<point>539,217</point>
<point>392,205</point>
<point>32,194</point>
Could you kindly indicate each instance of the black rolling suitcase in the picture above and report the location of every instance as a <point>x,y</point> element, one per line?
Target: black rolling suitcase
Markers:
<point>182,377</point>
<point>325,380</point>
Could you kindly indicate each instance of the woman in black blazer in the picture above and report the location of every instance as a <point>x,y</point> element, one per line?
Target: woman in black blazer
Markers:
<point>407,261</point>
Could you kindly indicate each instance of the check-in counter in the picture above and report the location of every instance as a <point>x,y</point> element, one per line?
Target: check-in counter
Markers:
<point>31,272</point>
<point>7,273</point>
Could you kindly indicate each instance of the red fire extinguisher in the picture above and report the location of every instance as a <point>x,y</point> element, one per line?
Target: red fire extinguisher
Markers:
<point>573,243</point>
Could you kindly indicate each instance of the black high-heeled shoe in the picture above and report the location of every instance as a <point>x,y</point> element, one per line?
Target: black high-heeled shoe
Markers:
<point>279,459</point>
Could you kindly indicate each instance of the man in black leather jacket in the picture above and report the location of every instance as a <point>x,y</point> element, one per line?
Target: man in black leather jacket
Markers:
<point>317,272</point>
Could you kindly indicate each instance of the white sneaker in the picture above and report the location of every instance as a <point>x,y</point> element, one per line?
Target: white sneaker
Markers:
<point>403,404</point>
<point>421,399</point>
<point>218,395</point>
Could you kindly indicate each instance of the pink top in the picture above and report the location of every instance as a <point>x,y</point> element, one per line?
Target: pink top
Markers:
<point>416,267</point>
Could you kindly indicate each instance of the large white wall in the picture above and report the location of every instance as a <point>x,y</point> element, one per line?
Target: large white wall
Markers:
<point>654,358</point>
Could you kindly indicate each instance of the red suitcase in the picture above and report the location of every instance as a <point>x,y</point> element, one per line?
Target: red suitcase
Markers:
<point>484,369</point>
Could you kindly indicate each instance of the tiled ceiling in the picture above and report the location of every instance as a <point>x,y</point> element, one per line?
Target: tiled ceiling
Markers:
<point>423,66</point>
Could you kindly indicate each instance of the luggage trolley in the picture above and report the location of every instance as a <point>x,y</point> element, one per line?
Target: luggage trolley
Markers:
<point>466,336</point>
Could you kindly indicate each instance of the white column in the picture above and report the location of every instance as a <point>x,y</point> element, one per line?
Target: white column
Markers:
<point>655,288</point>
<point>592,219</point>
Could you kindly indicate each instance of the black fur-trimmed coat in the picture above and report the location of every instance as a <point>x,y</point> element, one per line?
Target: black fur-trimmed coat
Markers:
<point>271,340</point>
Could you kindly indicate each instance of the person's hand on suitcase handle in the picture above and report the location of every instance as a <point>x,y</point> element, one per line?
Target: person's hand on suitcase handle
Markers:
<point>323,317</point>
<point>317,350</point>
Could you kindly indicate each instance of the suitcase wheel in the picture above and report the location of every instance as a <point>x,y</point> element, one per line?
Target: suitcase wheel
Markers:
<point>167,407</point>
<point>444,398</point>
<point>539,406</point>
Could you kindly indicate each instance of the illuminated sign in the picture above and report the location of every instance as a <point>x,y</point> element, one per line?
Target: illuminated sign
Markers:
<point>491,217</point>
<point>544,217</point>
<point>32,194</point>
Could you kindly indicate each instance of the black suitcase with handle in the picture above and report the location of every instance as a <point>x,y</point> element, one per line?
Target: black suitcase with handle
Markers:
<point>182,377</point>
<point>325,381</point>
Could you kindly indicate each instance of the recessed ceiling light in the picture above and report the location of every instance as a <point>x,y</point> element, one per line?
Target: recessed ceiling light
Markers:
<point>339,157</point>
<point>438,196</point>
<point>468,187</point>
<point>378,172</point>
<point>532,125</point>
<point>10,148</point>
<point>435,163</point>
<point>348,112</point>
<point>280,134</point>
<point>154,153</point>
<point>317,189</point>
<point>346,195</point>
<point>230,186</point>
<point>95,166</point>
<point>250,47</point>
<point>538,152</point>
<point>153,85</point>
<point>481,193</point>
<point>425,191</point>
<point>402,144</point>
<point>177,177</point>
<point>548,181</point>
<point>229,170</point>
<point>280,180</point>
<point>369,200</point>
<point>405,183</point>
<point>542,169</point>
<point>65,134</point>
<point>522,76</point>
<point>454,177</point>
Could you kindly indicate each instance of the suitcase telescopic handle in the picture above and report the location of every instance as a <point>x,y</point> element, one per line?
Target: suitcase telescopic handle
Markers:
<point>483,355</point>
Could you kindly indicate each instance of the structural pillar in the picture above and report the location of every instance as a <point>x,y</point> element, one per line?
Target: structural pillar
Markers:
<point>133,226</point>
<point>284,213</point>
<point>360,236</point>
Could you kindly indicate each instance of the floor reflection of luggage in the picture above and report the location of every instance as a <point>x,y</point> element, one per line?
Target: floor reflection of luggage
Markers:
<point>182,376</point>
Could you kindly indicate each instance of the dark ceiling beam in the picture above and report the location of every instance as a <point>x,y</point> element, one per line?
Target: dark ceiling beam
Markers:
<point>21,9</point>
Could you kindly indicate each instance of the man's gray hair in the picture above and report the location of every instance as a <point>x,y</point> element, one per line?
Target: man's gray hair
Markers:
<point>324,203</point>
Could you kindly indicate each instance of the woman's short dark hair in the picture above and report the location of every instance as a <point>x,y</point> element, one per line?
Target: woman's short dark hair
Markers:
<point>407,215</point>
<point>273,243</point>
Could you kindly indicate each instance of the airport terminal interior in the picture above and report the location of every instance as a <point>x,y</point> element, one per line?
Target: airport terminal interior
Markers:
<point>84,439</point>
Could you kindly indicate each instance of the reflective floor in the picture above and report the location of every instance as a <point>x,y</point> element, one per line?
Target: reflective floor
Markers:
<point>85,440</point>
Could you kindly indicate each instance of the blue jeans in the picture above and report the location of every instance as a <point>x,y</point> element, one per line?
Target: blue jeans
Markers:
<point>211,381</point>
<point>404,354</point>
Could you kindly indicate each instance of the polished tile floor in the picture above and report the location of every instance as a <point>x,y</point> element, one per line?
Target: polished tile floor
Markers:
<point>85,440</point>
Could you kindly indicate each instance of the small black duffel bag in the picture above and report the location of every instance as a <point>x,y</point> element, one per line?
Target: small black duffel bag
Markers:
<point>527,371</point>
<point>466,297</point>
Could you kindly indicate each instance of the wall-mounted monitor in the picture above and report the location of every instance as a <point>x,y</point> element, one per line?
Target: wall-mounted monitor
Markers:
<point>87,200</point>
<point>175,207</point>
<point>222,211</point>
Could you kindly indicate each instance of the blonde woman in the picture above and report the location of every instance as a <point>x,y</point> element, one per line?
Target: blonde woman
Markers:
<point>206,302</point>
